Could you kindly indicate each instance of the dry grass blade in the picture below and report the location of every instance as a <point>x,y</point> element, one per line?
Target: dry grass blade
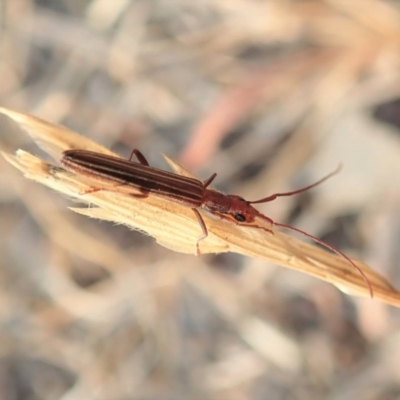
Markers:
<point>175,226</point>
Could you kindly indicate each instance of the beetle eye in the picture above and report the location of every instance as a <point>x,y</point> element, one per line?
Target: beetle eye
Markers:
<point>240,218</point>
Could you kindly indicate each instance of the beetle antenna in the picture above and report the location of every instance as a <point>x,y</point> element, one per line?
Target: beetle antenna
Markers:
<point>332,248</point>
<point>274,196</point>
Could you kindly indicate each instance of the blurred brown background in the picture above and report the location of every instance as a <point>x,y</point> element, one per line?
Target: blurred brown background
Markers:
<point>272,95</point>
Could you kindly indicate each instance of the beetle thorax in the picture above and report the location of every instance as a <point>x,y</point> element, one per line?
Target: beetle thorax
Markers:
<point>214,201</point>
<point>235,206</point>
